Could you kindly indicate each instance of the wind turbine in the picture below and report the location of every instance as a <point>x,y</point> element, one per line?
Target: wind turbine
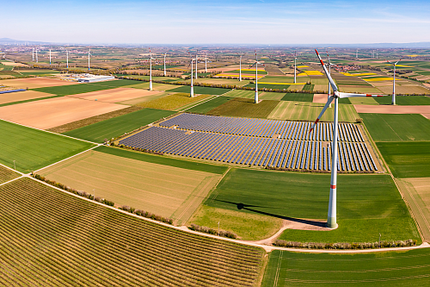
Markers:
<point>393,98</point>
<point>192,87</point>
<point>331,218</point>
<point>256,63</point>
<point>197,52</point>
<point>37,59</point>
<point>329,72</point>
<point>356,54</point>
<point>165,63</point>
<point>67,59</point>
<point>89,59</point>
<point>295,67</point>
<point>49,56</point>
<point>150,70</point>
<point>32,55</point>
<point>240,68</point>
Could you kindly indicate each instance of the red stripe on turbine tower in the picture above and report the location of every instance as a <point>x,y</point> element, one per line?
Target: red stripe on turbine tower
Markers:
<point>332,186</point>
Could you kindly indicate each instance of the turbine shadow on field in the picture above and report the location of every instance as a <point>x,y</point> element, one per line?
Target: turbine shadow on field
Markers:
<point>241,206</point>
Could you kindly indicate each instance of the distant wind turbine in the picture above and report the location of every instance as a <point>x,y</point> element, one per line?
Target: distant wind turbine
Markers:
<point>150,70</point>
<point>240,68</point>
<point>89,60</point>
<point>295,67</point>
<point>50,57</point>
<point>197,52</point>
<point>192,88</point>
<point>32,55</point>
<point>165,63</point>
<point>67,59</point>
<point>393,98</point>
<point>37,59</point>
<point>331,218</point>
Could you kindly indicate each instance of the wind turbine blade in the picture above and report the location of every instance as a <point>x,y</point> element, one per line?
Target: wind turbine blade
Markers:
<point>398,61</point>
<point>330,99</point>
<point>333,85</point>
<point>352,95</point>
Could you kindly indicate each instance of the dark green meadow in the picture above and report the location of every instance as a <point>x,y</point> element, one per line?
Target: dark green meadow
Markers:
<point>117,126</point>
<point>207,106</point>
<point>405,100</point>
<point>33,149</point>
<point>298,97</point>
<point>85,87</point>
<point>200,90</point>
<point>367,204</point>
<point>407,159</point>
<point>397,127</point>
<point>408,268</point>
<point>240,107</point>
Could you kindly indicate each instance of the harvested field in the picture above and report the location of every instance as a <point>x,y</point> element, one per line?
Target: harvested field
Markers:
<point>305,196</point>
<point>389,109</point>
<point>22,96</point>
<point>407,159</point>
<point>117,126</point>
<point>239,107</point>
<point>359,89</point>
<point>6,63</point>
<point>200,90</point>
<point>155,86</point>
<point>286,110</point>
<point>172,102</point>
<point>403,268</point>
<point>386,127</point>
<point>416,192</point>
<point>147,98</point>
<point>116,95</point>
<point>90,245</point>
<point>404,89</point>
<point>7,174</point>
<point>161,189</point>
<point>92,120</point>
<point>320,98</point>
<point>32,149</point>
<point>49,113</point>
<point>33,83</point>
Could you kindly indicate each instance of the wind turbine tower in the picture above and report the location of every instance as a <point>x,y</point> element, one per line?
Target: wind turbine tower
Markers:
<point>356,54</point>
<point>256,63</point>
<point>196,63</point>
<point>329,72</point>
<point>192,87</point>
<point>67,59</point>
<point>331,218</point>
<point>89,60</point>
<point>37,59</point>
<point>240,68</point>
<point>295,67</point>
<point>165,63</point>
<point>393,98</point>
<point>50,57</point>
<point>32,55</point>
<point>150,70</point>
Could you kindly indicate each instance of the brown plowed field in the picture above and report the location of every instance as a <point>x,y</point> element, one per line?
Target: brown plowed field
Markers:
<point>45,114</point>
<point>33,83</point>
<point>320,98</point>
<point>115,95</point>
<point>22,96</point>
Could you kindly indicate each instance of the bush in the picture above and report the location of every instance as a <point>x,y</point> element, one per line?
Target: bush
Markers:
<point>344,245</point>
<point>212,231</point>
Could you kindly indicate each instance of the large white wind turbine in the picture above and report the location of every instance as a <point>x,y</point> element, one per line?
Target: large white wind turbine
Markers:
<point>150,70</point>
<point>240,68</point>
<point>393,98</point>
<point>295,67</point>
<point>331,219</point>
<point>67,59</point>
<point>192,88</point>
<point>50,57</point>
<point>329,72</point>
<point>32,55</point>
<point>256,63</point>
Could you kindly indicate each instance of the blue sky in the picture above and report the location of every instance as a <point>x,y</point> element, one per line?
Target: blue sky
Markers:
<point>216,22</point>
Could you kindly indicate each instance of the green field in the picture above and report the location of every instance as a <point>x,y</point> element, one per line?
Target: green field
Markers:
<point>392,127</point>
<point>164,190</point>
<point>247,72</point>
<point>278,79</point>
<point>173,102</point>
<point>247,94</point>
<point>32,149</point>
<point>218,169</point>
<point>367,204</point>
<point>200,90</point>
<point>405,100</point>
<point>298,97</point>
<point>407,159</point>
<point>239,107</point>
<point>85,88</point>
<point>286,110</point>
<point>407,268</point>
<point>117,126</point>
<point>38,72</point>
<point>50,238</point>
<point>207,106</point>
<point>269,86</point>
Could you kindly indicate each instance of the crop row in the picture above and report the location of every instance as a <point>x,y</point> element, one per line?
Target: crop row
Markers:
<point>51,238</point>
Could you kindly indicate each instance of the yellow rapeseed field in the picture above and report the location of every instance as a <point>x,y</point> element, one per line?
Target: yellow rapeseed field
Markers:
<point>314,73</point>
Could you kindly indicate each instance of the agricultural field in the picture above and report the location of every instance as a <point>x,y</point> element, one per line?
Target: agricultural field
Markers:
<point>406,159</point>
<point>404,100</point>
<point>270,96</point>
<point>33,83</point>
<point>173,101</point>
<point>304,196</point>
<point>406,268</point>
<point>155,86</point>
<point>146,98</point>
<point>298,97</point>
<point>22,96</point>
<point>116,95</point>
<point>161,189</point>
<point>269,86</point>
<point>56,111</point>
<point>117,126</point>
<point>247,94</point>
<point>286,110</point>
<point>364,101</point>
<point>7,174</point>
<point>85,87</point>
<point>209,105</point>
<point>416,192</point>
<point>32,149</point>
<point>239,107</point>
<point>248,71</point>
<point>200,90</point>
<point>91,245</point>
<point>386,127</point>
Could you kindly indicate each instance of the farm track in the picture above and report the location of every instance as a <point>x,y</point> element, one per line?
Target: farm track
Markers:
<point>87,244</point>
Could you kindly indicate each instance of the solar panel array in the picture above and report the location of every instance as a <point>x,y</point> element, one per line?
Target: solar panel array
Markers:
<point>287,152</point>
<point>264,128</point>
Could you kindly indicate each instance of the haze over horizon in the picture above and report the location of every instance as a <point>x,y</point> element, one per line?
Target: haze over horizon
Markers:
<point>224,22</point>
